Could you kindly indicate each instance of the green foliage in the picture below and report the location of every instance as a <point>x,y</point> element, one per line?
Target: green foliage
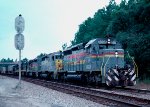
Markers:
<point>64,46</point>
<point>145,80</point>
<point>25,60</point>
<point>129,22</point>
<point>41,55</point>
<point>6,60</point>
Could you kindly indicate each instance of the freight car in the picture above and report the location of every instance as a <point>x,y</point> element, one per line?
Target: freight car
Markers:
<point>2,70</point>
<point>7,69</point>
<point>11,69</point>
<point>24,68</point>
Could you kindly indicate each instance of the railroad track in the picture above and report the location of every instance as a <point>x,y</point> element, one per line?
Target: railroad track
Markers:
<point>142,91</point>
<point>102,97</point>
<point>99,96</point>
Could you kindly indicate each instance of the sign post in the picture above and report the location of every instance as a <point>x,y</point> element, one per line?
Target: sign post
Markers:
<point>19,40</point>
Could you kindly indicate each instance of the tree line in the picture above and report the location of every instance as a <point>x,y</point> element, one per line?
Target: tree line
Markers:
<point>129,23</point>
<point>6,60</point>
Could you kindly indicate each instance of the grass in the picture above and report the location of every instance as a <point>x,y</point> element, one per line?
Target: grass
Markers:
<point>145,80</point>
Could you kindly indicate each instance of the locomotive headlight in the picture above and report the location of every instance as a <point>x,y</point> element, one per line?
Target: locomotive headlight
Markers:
<point>116,54</point>
<point>108,41</point>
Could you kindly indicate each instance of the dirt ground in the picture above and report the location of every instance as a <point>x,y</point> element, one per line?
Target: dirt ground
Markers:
<point>31,95</point>
<point>141,85</point>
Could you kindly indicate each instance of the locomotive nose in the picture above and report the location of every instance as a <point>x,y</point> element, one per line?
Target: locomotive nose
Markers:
<point>118,74</point>
<point>121,77</point>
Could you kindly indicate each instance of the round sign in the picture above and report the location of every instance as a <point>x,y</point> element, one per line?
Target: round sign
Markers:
<point>19,41</point>
<point>19,24</point>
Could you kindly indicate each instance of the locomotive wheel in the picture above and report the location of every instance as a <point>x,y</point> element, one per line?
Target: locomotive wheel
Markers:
<point>65,77</point>
<point>59,76</point>
<point>62,76</point>
<point>39,74</point>
<point>98,79</point>
<point>55,75</point>
<point>84,79</point>
<point>36,74</point>
<point>49,76</point>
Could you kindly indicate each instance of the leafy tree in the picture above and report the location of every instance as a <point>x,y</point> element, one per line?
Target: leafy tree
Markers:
<point>64,46</point>
<point>129,22</point>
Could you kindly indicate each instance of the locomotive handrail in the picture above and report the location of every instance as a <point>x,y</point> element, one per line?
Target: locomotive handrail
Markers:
<point>105,65</point>
<point>134,63</point>
<point>102,65</point>
<point>135,66</point>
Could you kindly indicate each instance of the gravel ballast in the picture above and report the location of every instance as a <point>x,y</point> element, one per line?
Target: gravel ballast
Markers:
<point>31,95</point>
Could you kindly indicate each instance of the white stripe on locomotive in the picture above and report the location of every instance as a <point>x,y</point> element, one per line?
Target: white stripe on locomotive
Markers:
<point>125,73</point>
<point>107,83</point>
<point>133,78</point>
<point>131,73</point>
<point>116,71</point>
<point>134,82</point>
<point>116,78</point>
<point>109,78</point>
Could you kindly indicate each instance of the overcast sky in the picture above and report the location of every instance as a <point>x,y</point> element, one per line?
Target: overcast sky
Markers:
<point>48,24</point>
